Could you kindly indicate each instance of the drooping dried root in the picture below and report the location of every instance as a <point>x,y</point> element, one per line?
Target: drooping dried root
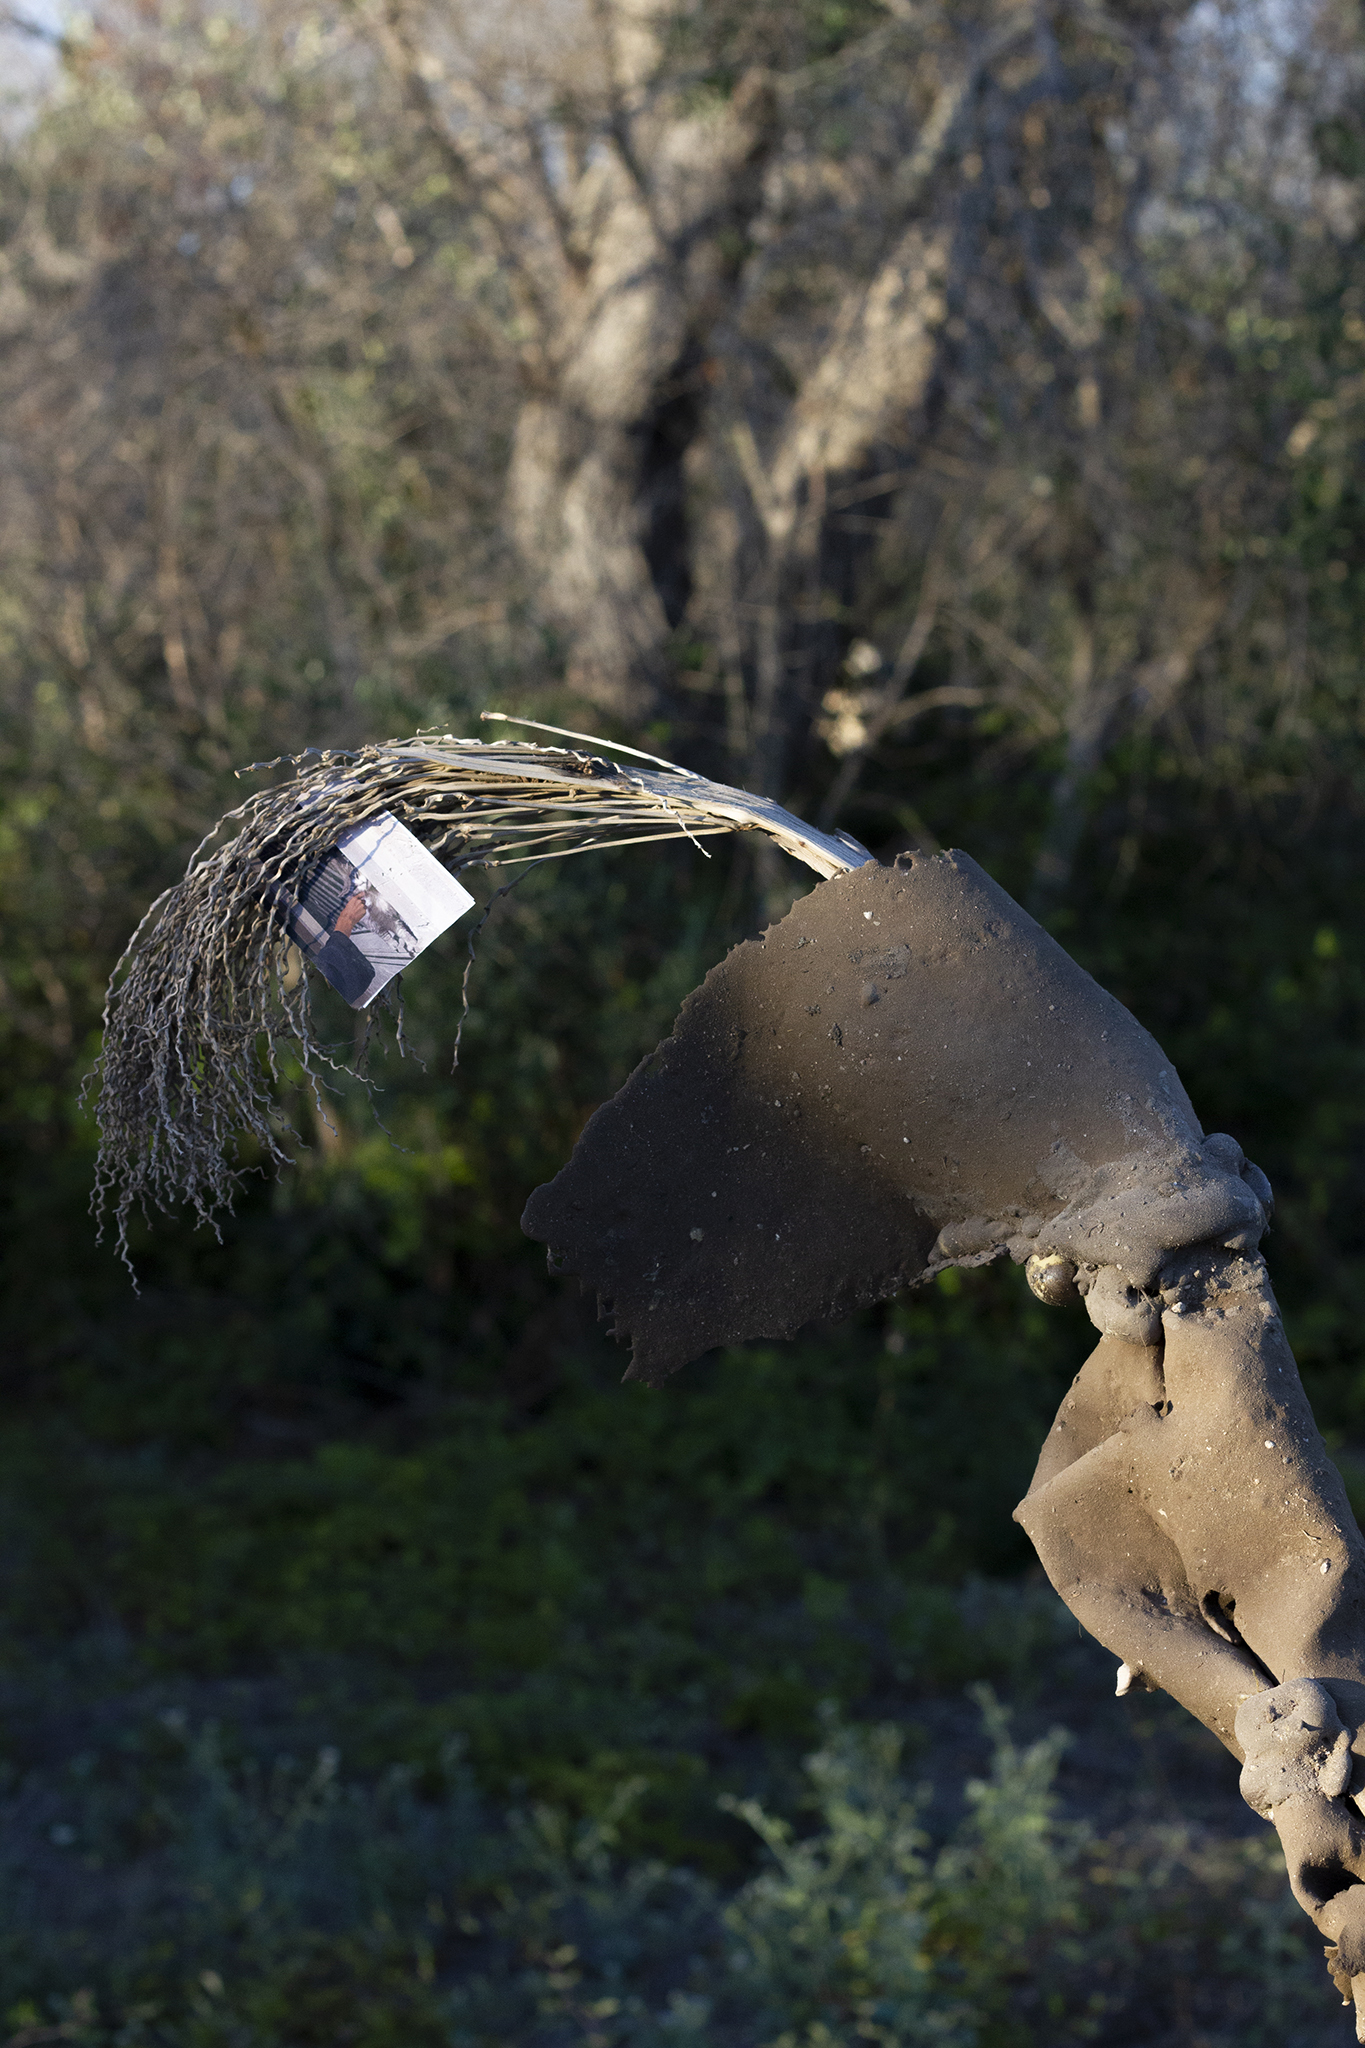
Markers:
<point>208,993</point>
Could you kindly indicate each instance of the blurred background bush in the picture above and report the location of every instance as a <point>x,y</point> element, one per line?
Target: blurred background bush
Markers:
<point>944,418</point>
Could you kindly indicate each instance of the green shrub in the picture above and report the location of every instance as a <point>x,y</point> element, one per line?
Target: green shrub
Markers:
<point>241,1906</point>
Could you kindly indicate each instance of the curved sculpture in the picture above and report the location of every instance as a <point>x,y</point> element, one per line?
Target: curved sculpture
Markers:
<point>907,1073</point>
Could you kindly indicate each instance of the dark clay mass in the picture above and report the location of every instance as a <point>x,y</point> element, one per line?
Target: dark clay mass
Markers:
<point>905,1073</point>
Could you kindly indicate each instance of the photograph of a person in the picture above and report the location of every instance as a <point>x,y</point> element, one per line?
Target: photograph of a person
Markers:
<point>366,909</point>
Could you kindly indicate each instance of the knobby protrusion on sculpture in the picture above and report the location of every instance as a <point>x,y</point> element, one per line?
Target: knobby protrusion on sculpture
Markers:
<point>1305,1770</point>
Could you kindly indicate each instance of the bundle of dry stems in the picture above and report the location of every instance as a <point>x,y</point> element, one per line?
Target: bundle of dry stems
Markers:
<point>210,990</point>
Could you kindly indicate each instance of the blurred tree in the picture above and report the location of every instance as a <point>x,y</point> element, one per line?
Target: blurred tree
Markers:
<point>246,483</point>
<point>785,278</point>
<point>943,416</point>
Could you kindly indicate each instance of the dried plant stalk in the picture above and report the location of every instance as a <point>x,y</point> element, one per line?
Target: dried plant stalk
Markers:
<point>209,993</point>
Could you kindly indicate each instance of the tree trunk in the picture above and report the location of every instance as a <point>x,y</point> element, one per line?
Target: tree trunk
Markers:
<point>596,486</point>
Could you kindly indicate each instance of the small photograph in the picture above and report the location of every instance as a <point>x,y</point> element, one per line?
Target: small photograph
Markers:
<point>365,910</point>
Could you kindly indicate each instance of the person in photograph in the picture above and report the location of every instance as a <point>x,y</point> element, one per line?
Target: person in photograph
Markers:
<point>332,905</point>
